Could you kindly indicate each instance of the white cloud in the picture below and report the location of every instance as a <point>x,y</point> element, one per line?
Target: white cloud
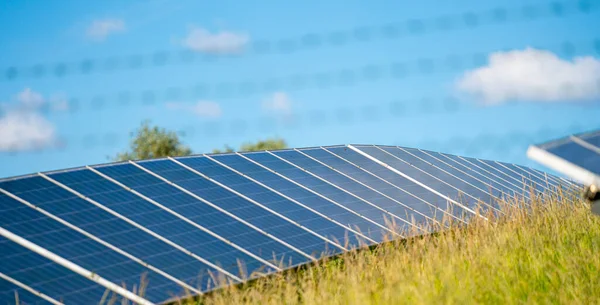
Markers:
<point>205,109</point>
<point>279,103</point>
<point>100,29</point>
<point>224,42</point>
<point>534,76</point>
<point>22,127</point>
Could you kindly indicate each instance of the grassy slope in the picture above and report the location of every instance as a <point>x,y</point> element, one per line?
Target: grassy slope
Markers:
<point>550,256</point>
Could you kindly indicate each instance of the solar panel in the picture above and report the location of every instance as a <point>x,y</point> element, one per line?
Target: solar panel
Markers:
<point>576,156</point>
<point>194,224</point>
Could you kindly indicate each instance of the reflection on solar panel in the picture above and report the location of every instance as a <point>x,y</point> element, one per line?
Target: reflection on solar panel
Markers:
<point>193,224</point>
<point>577,156</point>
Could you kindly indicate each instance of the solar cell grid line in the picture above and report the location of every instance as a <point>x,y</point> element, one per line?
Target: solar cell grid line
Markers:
<point>74,267</point>
<point>76,247</point>
<point>481,197</point>
<point>374,225</point>
<point>298,160</point>
<point>106,244</point>
<point>385,165</point>
<point>547,185</point>
<point>109,227</point>
<point>325,239</point>
<point>35,293</point>
<point>475,175</point>
<point>488,171</point>
<point>544,176</point>
<point>146,230</point>
<point>45,275</point>
<point>198,211</point>
<point>365,186</point>
<point>285,187</point>
<point>341,233</point>
<point>457,173</point>
<point>229,213</point>
<point>485,173</point>
<point>189,222</point>
<point>378,177</point>
<point>511,175</point>
<point>343,244</point>
<point>527,172</point>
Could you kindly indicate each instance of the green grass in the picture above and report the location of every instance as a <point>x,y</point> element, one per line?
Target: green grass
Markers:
<point>549,256</point>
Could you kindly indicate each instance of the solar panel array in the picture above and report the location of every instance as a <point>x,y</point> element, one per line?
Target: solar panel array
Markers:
<point>193,224</point>
<point>577,156</point>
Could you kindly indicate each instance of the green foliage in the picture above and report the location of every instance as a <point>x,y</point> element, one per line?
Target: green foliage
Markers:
<point>268,144</point>
<point>153,142</point>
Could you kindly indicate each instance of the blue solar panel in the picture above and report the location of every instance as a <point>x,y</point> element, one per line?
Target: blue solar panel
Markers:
<point>291,190</point>
<point>371,215</point>
<point>158,220</point>
<point>178,221</point>
<point>254,191</point>
<point>46,276</point>
<point>76,247</point>
<point>12,293</point>
<point>576,156</point>
<point>403,211</point>
<point>188,205</point>
<point>103,225</point>
<point>474,191</point>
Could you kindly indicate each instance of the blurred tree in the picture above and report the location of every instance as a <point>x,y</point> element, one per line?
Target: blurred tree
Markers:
<point>268,144</point>
<point>153,142</point>
<point>227,149</point>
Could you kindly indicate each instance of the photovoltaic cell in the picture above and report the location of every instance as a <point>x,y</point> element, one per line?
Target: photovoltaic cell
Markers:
<point>291,190</point>
<point>255,192</point>
<point>78,248</point>
<point>458,183</point>
<point>402,184</point>
<point>111,229</point>
<point>330,192</point>
<point>355,188</point>
<point>46,276</point>
<point>188,205</point>
<point>157,219</point>
<point>10,293</point>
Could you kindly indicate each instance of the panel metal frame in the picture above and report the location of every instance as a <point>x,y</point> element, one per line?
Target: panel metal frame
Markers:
<point>225,211</point>
<point>326,198</point>
<point>366,186</point>
<point>73,267</point>
<point>468,174</point>
<point>290,199</point>
<point>430,174</point>
<point>395,186</point>
<point>137,225</point>
<point>100,241</point>
<point>414,180</point>
<point>353,195</point>
<point>504,173</point>
<point>585,144</point>
<point>548,186</point>
<point>30,289</point>
<point>560,165</point>
<point>518,188</point>
<point>189,221</point>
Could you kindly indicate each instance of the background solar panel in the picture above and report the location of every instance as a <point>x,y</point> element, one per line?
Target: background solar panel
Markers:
<point>181,220</point>
<point>577,156</point>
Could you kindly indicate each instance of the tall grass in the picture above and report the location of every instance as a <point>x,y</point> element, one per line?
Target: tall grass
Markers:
<point>550,254</point>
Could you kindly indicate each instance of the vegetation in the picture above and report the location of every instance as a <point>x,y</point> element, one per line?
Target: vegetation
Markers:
<point>547,256</point>
<point>154,142</point>
<point>268,144</point>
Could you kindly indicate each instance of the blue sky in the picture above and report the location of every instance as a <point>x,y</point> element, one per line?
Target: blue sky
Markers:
<point>492,105</point>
